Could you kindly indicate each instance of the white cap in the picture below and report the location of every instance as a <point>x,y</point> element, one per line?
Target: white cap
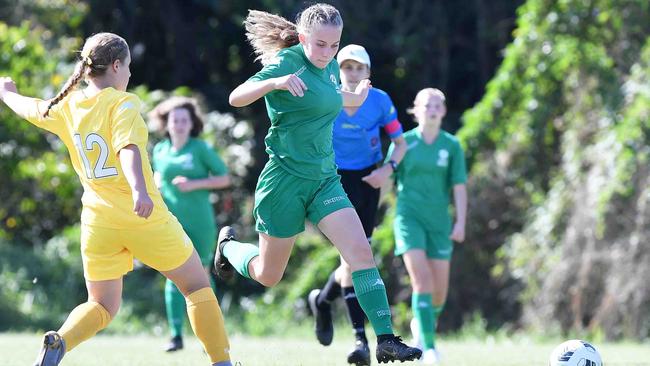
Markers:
<point>353,52</point>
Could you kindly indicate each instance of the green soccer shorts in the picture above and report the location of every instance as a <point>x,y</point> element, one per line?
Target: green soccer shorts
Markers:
<point>412,233</point>
<point>283,201</point>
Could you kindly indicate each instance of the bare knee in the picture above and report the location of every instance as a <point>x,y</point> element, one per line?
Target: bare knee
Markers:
<point>269,278</point>
<point>421,282</point>
<point>359,256</point>
<point>112,306</point>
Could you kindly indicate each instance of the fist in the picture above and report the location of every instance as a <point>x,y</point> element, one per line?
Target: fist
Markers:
<point>7,85</point>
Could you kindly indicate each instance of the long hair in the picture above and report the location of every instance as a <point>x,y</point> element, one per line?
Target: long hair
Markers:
<point>97,55</point>
<point>269,33</point>
<point>160,114</point>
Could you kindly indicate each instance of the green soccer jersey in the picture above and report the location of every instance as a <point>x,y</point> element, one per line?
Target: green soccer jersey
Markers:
<point>300,136</point>
<point>426,176</point>
<point>195,160</point>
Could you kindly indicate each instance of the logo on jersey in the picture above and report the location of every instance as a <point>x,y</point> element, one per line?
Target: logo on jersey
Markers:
<point>333,200</point>
<point>300,70</point>
<point>336,83</point>
<point>187,161</point>
<point>443,158</point>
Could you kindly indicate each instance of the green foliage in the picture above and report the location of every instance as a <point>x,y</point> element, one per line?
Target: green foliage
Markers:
<point>556,131</point>
<point>32,173</point>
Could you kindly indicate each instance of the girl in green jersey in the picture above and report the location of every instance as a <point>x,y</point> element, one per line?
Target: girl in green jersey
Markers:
<point>433,166</point>
<point>300,85</point>
<point>185,170</point>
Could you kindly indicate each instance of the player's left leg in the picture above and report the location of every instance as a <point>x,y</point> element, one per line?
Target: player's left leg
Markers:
<point>344,230</point>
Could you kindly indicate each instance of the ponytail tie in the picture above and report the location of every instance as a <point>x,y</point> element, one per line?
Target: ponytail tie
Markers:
<point>85,57</point>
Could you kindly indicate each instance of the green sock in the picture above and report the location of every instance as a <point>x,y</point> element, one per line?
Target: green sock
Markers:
<point>371,294</point>
<point>175,306</point>
<point>239,255</point>
<point>437,309</point>
<point>424,314</point>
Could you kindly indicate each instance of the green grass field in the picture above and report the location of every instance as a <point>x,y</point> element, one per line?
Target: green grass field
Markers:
<point>20,350</point>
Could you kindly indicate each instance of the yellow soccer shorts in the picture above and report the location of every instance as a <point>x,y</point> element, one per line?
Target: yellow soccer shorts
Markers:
<point>108,253</point>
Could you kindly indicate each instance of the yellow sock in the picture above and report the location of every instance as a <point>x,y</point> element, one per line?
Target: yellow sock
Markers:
<point>83,322</point>
<point>207,322</point>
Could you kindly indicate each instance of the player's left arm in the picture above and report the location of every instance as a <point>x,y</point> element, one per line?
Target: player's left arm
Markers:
<point>356,98</point>
<point>460,203</point>
<point>217,169</point>
<point>380,176</point>
<point>458,177</point>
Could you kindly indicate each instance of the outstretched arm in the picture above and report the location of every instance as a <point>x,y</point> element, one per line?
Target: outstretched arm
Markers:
<point>21,105</point>
<point>251,91</point>
<point>131,162</point>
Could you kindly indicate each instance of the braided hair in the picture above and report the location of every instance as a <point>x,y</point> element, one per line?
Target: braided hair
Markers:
<point>98,54</point>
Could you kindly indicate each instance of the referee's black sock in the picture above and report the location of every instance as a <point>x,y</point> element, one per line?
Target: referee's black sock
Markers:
<point>330,291</point>
<point>357,316</point>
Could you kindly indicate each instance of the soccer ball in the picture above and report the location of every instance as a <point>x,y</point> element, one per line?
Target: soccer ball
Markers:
<point>575,353</point>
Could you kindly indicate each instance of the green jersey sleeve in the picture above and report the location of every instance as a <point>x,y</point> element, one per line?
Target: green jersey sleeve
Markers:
<point>458,171</point>
<point>212,161</point>
<point>282,66</point>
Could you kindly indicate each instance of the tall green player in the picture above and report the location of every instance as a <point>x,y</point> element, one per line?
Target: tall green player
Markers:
<point>301,87</point>
<point>433,166</point>
<point>185,170</point>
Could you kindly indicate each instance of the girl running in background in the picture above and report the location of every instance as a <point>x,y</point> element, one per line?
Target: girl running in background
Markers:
<point>185,170</point>
<point>357,150</point>
<point>301,88</point>
<point>434,166</point>
<point>123,213</point>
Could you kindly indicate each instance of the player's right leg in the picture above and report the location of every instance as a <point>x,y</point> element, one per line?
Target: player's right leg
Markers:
<point>83,322</point>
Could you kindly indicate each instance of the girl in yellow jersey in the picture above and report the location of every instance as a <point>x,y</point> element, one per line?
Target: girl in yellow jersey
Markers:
<point>123,213</point>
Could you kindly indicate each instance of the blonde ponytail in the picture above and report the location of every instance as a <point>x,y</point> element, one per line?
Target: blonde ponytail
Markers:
<point>269,33</point>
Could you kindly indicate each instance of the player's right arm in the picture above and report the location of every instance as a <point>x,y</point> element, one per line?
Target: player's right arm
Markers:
<point>131,162</point>
<point>250,91</point>
<point>23,106</point>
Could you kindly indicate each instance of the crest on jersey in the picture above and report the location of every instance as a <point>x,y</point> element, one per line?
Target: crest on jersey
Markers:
<point>443,157</point>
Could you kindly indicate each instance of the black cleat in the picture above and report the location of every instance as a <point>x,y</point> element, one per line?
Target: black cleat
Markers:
<point>323,314</point>
<point>394,350</point>
<point>222,266</point>
<point>175,344</point>
<point>360,355</point>
<point>52,350</point>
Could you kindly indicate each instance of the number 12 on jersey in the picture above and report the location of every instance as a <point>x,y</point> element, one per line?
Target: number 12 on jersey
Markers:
<point>100,169</point>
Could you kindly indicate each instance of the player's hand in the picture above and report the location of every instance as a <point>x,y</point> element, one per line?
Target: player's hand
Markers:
<point>292,83</point>
<point>458,233</point>
<point>142,204</point>
<point>7,85</point>
<point>183,184</point>
<point>363,88</point>
<point>378,177</point>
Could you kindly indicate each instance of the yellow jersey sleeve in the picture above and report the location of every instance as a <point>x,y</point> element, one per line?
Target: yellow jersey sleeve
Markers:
<point>127,126</point>
<point>53,122</point>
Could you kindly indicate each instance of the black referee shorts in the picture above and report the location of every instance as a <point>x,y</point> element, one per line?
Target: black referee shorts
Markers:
<point>364,198</point>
